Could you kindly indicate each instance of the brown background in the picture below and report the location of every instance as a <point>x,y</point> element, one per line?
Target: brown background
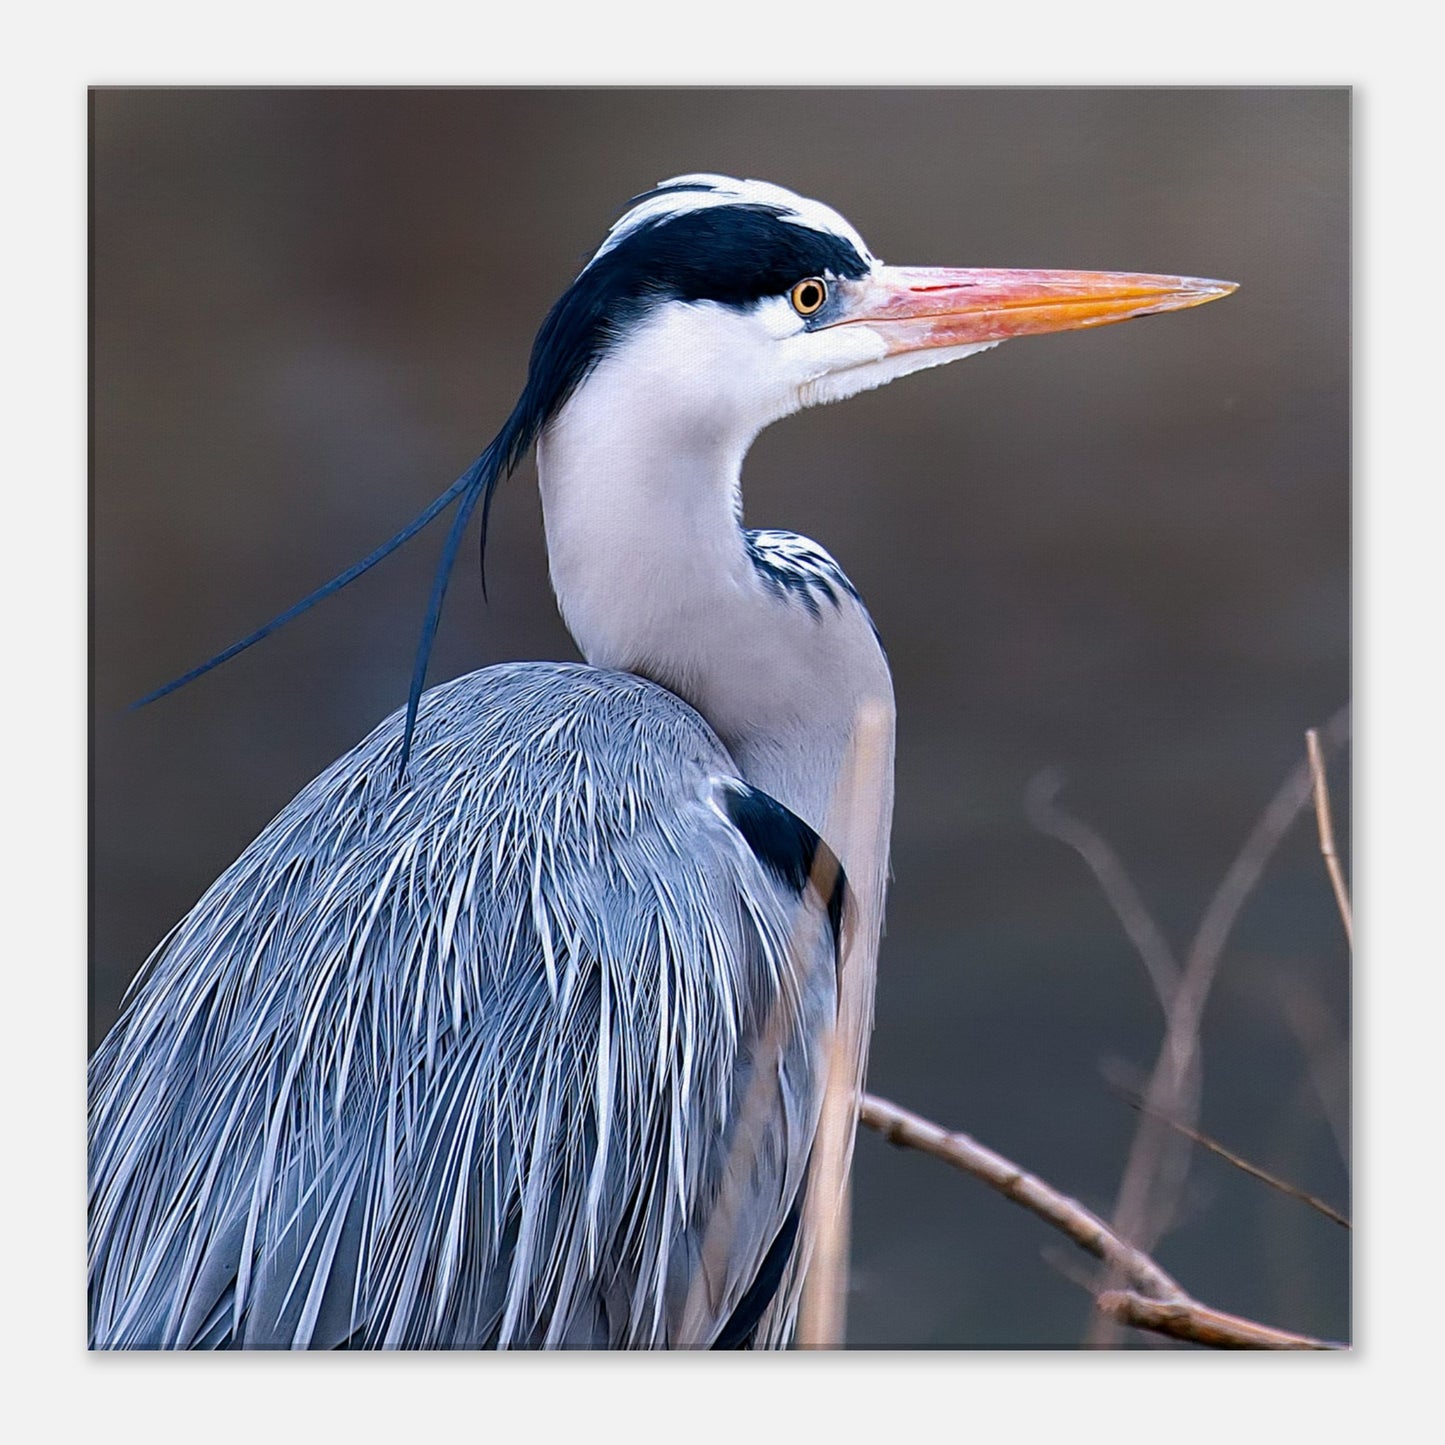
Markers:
<point>1123,553</point>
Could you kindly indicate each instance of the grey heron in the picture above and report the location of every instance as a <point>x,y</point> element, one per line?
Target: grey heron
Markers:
<point>459,1052</point>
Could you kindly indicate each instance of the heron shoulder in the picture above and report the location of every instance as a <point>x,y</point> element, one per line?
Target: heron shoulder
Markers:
<point>607,755</point>
<point>627,743</point>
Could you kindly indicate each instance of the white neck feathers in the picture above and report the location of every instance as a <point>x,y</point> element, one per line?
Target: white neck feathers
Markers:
<point>640,477</point>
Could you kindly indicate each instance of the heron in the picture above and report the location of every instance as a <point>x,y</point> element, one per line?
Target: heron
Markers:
<point>499,1022</point>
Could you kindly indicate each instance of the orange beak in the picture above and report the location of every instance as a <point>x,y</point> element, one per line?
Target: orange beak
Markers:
<point>918,308</point>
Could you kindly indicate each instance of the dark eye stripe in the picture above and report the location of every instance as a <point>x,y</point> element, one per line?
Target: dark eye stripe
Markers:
<point>732,254</point>
<point>736,255</point>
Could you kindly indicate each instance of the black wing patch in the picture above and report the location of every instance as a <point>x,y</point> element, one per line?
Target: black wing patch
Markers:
<point>787,847</point>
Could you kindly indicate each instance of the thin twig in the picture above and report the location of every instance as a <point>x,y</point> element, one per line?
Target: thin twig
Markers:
<point>1230,1157</point>
<point>1201,1325</point>
<point>1142,1210</point>
<point>859,803</point>
<point>1327,834</point>
<point>1157,1302</point>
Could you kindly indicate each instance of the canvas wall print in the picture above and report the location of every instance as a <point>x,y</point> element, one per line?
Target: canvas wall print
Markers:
<point>775,772</point>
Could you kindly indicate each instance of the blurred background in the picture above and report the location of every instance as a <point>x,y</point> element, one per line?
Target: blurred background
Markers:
<point>1122,555</point>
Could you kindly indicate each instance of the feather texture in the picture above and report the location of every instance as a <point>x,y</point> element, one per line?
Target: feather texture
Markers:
<point>459,1061</point>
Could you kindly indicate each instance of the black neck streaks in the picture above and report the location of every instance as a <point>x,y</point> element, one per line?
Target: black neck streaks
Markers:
<point>795,569</point>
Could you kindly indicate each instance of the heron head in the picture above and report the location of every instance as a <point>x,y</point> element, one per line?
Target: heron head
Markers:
<point>720,305</point>
<point>727,304</point>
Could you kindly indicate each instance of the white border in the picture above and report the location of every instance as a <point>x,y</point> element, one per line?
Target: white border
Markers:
<point>61,1393</point>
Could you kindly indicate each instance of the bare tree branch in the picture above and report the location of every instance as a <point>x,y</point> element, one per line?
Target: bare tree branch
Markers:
<point>901,1126</point>
<point>1143,1208</point>
<point>1327,833</point>
<point>1201,1325</point>
<point>1157,1302</point>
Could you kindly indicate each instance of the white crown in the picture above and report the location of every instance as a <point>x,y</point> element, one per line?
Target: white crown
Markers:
<point>697,192</point>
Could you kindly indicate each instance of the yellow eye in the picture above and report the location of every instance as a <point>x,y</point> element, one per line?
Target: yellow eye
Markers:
<point>808,296</point>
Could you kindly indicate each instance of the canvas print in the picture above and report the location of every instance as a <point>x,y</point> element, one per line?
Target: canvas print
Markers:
<point>733,754</point>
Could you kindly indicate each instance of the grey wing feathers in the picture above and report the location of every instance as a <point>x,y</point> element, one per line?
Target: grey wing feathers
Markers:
<point>460,1063</point>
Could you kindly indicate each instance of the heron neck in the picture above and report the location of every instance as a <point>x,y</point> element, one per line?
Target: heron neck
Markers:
<point>642,529</point>
<point>653,575</point>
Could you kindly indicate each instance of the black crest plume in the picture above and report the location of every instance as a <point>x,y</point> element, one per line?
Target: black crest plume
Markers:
<point>547,388</point>
<point>731,254</point>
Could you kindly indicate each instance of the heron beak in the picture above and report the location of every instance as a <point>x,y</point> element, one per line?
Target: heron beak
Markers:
<point>921,308</point>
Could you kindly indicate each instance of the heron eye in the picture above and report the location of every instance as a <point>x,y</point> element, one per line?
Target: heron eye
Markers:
<point>807,296</point>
